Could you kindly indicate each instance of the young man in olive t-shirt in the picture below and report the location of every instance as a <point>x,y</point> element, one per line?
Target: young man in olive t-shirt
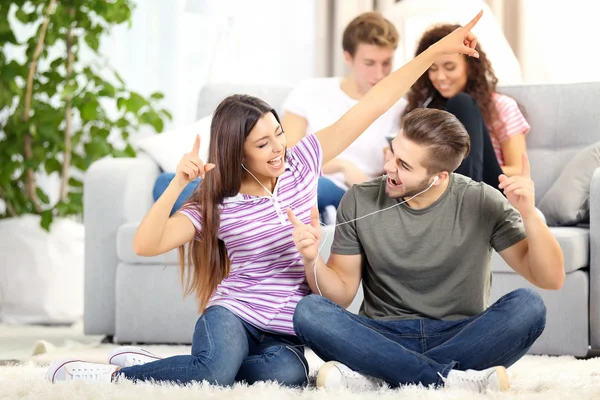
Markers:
<point>425,268</point>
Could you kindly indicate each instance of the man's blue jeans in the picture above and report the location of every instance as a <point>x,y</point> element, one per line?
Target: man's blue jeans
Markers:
<point>420,350</point>
<point>225,350</point>
<point>328,194</point>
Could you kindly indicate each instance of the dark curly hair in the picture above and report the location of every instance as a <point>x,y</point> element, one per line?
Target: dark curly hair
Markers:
<point>481,81</point>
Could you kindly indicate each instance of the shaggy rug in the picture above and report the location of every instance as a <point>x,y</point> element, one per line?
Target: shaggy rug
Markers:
<point>534,377</point>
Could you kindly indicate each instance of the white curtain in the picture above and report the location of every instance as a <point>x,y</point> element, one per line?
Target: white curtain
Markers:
<point>160,53</point>
<point>177,51</point>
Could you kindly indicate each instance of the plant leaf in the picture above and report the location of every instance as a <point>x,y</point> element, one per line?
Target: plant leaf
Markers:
<point>52,165</point>
<point>75,182</point>
<point>42,196</point>
<point>46,219</point>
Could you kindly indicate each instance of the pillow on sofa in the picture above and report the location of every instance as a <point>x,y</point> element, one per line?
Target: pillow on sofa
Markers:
<point>567,201</point>
<point>163,181</point>
<point>167,148</point>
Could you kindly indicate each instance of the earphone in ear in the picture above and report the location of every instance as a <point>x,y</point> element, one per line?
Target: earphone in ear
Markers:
<point>435,179</point>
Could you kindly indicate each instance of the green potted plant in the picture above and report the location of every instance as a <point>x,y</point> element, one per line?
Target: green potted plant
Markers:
<point>61,108</point>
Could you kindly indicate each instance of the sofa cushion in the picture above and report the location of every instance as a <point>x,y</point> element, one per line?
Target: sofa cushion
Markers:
<point>125,249</point>
<point>567,201</point>
<point>574,242</point>
<point>168,148</point>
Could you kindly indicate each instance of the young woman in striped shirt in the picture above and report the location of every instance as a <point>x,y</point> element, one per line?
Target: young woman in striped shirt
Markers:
<point>466,87</point>
<point>243,266</point>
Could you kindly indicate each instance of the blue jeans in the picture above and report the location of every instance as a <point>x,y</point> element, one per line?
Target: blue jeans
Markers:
<point>328,194</point>
<point>416,350</point>
<point>225,350</point>
<point>164,180</point>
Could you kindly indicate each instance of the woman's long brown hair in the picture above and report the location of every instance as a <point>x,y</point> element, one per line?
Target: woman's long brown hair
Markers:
<point>481,81</point>
<point>207,260</point>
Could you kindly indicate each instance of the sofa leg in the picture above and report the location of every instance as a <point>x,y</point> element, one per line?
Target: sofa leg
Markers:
<point>592,353</point>
<point>108,339</point>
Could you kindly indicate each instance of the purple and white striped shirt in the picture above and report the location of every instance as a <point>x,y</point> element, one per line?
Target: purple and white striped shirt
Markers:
<point>266,278</point>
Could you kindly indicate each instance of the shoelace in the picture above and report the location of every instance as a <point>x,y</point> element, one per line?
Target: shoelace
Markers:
<point>93,373</point>
<point>358,377</point>
<point>137,361</point>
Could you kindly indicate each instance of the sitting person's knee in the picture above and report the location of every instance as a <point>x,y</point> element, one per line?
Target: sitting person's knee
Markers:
<point>296,372</point>
<point>461,100</point>
<point>464,107</point>
<point>306,310</point>
<point>530,306</point>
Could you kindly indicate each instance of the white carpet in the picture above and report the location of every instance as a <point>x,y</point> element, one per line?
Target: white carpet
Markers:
<point>534,377</point>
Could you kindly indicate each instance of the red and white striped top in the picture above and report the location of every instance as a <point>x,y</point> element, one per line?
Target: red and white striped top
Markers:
<point>513,119</point>
<point>267,277</point>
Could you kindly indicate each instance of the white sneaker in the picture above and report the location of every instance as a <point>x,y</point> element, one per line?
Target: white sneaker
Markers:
<point>126,356</point>
<point>334,375</point>
<point>494,378</point>
<point>76,370</point>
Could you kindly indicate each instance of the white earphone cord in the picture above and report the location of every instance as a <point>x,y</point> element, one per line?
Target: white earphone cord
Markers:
<point>356,219</point>
<point>345,222</point>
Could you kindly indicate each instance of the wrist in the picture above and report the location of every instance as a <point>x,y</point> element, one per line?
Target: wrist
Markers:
<point>531,216</point>
<point>342,166</point>
<point>178,184</point>
<point>347,167</point>
<point>433,51</point>
<point>309,262</point>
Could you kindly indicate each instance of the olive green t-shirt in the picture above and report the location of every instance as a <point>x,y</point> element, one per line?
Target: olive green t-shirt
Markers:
<point>427,263</point>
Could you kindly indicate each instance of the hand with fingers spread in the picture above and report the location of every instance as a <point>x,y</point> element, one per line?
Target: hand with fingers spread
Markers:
<point>306,237</point>
<point>519,189</point>
<point>191,166</point>
<point>462,40</point>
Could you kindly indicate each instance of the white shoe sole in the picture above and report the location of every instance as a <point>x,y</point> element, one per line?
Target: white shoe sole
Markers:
<point>323,372</point>
<point>503,379</point>
<point>55,366</point>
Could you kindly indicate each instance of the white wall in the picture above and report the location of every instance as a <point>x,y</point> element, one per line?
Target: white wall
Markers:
<point>558,41</point>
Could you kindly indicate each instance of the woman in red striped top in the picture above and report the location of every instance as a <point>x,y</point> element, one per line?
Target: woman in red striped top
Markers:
<point>466,87</point>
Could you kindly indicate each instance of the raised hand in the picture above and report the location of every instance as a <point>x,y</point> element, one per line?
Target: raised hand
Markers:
<point>306,237</point>
<point>461,40</point>
<point>519,189</point>
<point>191,166</point>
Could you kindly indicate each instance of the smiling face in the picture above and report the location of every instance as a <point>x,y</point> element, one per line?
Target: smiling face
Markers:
<point>404,167</point>
<point>449,75</point>
<point>264,148</point>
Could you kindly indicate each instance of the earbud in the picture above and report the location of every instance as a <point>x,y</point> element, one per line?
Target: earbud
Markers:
<point>435,180</point>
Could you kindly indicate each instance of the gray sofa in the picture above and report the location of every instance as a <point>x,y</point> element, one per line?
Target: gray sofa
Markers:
<point>136,299</point>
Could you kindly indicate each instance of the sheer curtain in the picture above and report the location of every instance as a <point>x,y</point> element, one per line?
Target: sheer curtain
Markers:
<point>156,53</point>
<point>172,48</point>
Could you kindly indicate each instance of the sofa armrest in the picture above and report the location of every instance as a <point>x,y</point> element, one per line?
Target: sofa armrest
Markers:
<point>116,191</point>
<point>594,203</point>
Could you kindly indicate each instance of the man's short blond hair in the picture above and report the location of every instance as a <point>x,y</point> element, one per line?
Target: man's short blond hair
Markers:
<point>369,28</point>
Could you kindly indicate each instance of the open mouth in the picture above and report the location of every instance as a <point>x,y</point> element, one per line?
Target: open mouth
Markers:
<point>393,183</point>
<point>277,162</point>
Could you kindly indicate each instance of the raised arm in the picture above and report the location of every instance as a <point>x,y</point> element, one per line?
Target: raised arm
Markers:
<point>158,233</point>
<point>339,278</point>
<point>294,127</point>
<point>337,137</point>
